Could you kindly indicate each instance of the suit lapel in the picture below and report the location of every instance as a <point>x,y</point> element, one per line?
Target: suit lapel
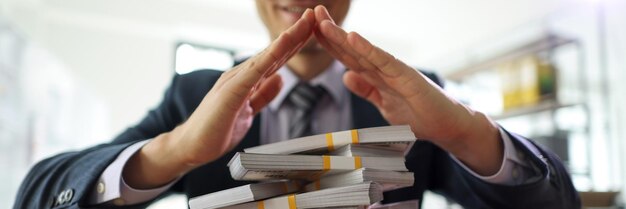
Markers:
<point>364,114</point>
<point>253,137</point>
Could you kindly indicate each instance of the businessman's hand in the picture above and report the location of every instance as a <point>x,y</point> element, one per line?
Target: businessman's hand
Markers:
<point>222,118</point>
<point>405,96</point>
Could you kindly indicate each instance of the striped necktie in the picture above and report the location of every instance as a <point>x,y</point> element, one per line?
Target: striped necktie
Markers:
<point>303,97</point>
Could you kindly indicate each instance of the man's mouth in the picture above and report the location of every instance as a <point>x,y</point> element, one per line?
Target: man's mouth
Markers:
<point>291,13</point>
<point>293,9</point>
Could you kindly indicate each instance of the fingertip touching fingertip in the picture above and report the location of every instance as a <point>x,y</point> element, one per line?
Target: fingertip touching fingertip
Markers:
<point>322,13</point>
<point>311,17</point>
<point>306,14</point>
<point>320,8</point>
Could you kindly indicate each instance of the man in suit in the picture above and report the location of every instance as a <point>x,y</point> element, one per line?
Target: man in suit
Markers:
<point>300,86</point>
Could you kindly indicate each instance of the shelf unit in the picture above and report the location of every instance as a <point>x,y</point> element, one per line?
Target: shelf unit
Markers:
<point>546,42</point>
<point>545,47</point>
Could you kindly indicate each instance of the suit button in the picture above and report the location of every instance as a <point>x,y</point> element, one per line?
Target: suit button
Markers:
<point>61,198</point>
<point>65,196</point>
<point>100,188</point>
<point>70,195</point>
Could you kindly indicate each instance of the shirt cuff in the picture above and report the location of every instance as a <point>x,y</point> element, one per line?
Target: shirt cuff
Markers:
<point>112,187</point>
<point>512,171</point>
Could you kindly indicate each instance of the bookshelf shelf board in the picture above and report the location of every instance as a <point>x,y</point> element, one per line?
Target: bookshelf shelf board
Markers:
<point>540,107</point>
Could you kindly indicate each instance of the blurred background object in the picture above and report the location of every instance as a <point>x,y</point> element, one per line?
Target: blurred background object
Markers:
<point>75,73</point>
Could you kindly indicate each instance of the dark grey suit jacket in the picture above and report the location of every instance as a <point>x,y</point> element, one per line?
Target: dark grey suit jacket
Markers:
<point>73,175</point>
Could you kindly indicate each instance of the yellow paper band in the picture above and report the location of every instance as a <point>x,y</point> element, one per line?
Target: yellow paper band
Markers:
<point>341,162</point>
<point>292,201</point>
<point>357,162</point>
<point>355,136</point>
<point>329,142</point>
<point>260,205</point>
<point>326,162</point>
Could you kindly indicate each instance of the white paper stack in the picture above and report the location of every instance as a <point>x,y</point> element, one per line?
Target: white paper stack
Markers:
<point>368,151</point>
<point>243,194</point>
<point>342,170</point>
<point>247,166</point>
<point>389,180</point>
<point>347,196</point>
<point>398,137</point>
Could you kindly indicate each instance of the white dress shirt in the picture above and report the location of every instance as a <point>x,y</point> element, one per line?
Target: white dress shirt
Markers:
<point>333,113</point>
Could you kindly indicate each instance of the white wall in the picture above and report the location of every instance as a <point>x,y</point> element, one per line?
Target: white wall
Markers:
<point>122,41</point>
<point>44,110</point>
<point>616,66</point>
<point>124,49</point>
<point>124,52</point>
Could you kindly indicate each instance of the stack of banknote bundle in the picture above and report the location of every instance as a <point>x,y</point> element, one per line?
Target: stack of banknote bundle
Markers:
<point>347,169</point>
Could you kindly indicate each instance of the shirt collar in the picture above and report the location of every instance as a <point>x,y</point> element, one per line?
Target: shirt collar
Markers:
<point>330,79</point>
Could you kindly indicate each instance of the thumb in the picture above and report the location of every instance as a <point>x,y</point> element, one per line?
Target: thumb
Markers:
<point>265,93</point>
<point>359,86</point>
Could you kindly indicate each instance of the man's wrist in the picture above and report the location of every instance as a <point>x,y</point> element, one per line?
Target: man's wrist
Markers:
<point>482,149</point>
<point>155,164</point>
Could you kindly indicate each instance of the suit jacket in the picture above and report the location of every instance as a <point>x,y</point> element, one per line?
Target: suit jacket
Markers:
<point>50,181</point>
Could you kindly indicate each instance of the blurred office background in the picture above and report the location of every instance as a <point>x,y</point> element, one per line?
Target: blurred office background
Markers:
<point>74,73</point>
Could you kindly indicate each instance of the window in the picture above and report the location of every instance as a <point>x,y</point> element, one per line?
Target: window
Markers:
<point>191,57</point>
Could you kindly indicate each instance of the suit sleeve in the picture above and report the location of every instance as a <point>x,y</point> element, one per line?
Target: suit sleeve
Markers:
<point>552,187</point>
<point>65,180</point>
